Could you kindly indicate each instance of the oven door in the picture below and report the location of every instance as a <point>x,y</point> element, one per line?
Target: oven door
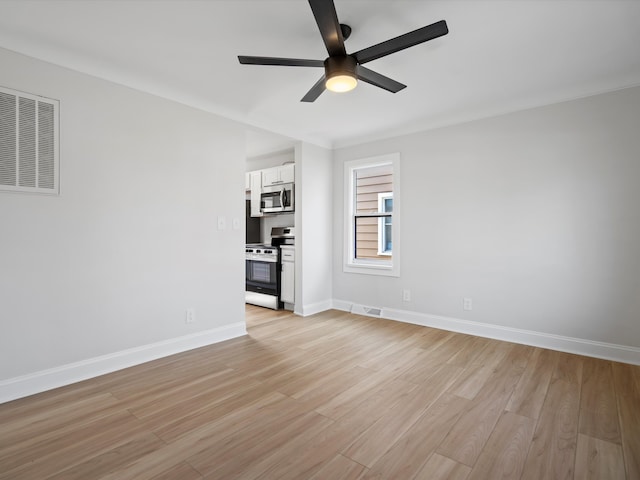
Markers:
<point>262,276</point>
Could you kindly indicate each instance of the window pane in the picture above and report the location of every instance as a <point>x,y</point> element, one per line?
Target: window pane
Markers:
<point>387,236</point>
<point>367,232</point>
<point>369,183</point>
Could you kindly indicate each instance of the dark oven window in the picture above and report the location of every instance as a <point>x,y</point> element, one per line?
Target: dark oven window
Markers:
<point>263,272</point>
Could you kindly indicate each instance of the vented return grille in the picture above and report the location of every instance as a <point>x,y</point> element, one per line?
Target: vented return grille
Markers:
<point>29,159</point>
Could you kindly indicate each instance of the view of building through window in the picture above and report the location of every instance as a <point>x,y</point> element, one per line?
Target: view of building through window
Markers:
<point>373,212</point>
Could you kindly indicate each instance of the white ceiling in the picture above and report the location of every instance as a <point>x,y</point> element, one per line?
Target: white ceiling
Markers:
<point>500,56</point>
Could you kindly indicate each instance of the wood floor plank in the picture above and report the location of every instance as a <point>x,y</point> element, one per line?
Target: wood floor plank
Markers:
<point>598,459</point>
<point>376,440</point>
<point>630,422</point>
<point>529,394</point>
<point>48,458</point>
<point>392,351</point>
<point>406,457</point>
<point>408,360</point>
<point>43,425</point>
<point>627,383</point>
<point>312,456</point>
<point>471,381</point>
<point>343,402</point>
<point>48,401</point>
<point>492,353</point>
<point>626,379</point>
<point>505,452</point>
<point>229,416</point>
<point>181,471</point>
<point>598,406</point>
<point>174,422</point>
<point>442,468</point>
<point>431,360</point>
<point>329,386</point>
<point>340,468</point>
<point>468,352</point>
<point>98,465</point>
<point>302,377</point>
<point>569,368</point>
<point>468,436</point>
<point>248,454</point>
<point>553,449</point>
<point>205,386</point>
<point>432,337</point>
<point>207,435</point>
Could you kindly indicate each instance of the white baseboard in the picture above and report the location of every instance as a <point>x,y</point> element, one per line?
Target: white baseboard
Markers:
<point>41,381</point>
<point>341,305</point>
<point>580,346</point>
<point>315,308</point>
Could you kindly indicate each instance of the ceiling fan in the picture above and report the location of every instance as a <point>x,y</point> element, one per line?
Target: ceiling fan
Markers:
<point>342,71</point>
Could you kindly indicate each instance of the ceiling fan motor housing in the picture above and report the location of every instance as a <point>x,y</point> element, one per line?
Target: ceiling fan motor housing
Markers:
<point>340,65</point>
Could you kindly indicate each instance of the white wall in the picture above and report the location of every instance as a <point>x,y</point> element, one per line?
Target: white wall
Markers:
<point>270,159</point>
<point>533,215</point>
<point>132,241</point>
<point>314,230</point>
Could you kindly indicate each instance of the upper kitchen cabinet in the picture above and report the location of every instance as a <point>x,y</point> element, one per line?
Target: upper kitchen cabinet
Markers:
<point>278,175</point>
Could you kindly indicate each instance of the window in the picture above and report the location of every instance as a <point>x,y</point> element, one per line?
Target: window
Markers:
<point>29,160</point>
<point>372,216</point>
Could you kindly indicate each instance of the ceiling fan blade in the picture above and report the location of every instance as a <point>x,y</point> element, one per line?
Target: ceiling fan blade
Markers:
<point>287,62</point>
<point>315,91</point>
<point>378,80</point>
<point>326,17</point>
<point>407,40</point>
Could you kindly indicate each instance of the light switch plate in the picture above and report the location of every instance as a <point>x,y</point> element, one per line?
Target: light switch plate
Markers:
<point>222,223</point>
<point>467,304</point>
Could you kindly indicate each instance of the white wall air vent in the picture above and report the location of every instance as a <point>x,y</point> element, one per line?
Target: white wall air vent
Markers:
<point>29,150</point>
<point>364,310</point>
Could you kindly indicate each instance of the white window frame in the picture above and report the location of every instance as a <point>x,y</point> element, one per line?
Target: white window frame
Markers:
<point>386,267</point>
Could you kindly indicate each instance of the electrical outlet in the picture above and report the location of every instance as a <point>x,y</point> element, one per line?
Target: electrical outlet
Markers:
<point>191,316</point>
<point>467,304</point>
<point>406,295</point>
<point>236,223</point>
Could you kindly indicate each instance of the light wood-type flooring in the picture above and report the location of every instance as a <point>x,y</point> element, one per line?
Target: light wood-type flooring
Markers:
<point>335,396</point>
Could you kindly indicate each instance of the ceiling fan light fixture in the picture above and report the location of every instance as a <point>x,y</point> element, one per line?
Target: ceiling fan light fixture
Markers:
<point>341,83</point>
<point>340,74</point>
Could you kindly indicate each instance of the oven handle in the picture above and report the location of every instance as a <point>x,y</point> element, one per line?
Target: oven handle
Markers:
<point>261,260</point>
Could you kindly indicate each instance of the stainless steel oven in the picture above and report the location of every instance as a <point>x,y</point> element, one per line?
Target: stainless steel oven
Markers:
<point>262,271</point>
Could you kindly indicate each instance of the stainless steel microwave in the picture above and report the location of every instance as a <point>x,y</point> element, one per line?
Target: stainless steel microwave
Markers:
<point>277,198</point>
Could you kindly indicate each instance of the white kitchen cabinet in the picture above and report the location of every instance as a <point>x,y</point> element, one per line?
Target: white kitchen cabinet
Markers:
<point>271,176</point>
<point>256,189</point>
<point>278,175</point>
<point>287,275</point>
<point>247,181</point>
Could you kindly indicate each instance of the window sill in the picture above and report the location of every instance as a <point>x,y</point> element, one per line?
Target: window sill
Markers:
<point>371,269</point>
